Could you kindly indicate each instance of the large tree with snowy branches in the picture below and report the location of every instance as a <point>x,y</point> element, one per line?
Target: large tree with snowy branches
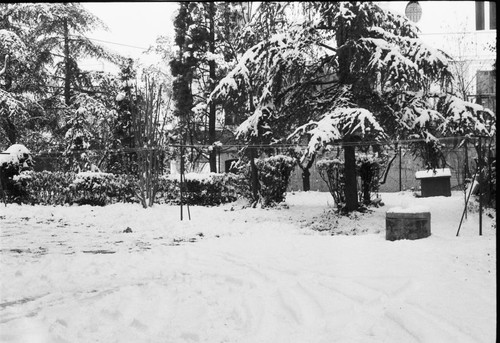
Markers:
<point>206,48</point>
<point>345,72</point>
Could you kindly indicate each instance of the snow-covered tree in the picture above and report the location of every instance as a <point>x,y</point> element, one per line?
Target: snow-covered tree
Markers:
<point>206,44</point>
<point>44,78</point>
<point>345,72</point>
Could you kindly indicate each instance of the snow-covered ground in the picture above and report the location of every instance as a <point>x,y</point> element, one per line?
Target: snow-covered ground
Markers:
<point>295,273</point>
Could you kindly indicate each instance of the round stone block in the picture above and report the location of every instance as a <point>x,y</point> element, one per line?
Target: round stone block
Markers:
<point>407,225</point>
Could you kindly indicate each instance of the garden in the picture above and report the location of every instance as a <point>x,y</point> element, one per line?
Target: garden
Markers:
<point>118,222</point>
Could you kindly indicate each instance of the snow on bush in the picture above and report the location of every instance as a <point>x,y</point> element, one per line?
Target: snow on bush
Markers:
<point>274,176</point>
<point>58,188</point>
<point>368,168</point>
<point>202,189</point>
<point>332,172</point>
<point>16,154</point>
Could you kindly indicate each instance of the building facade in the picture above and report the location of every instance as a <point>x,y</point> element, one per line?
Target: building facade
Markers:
<point>466,31</point>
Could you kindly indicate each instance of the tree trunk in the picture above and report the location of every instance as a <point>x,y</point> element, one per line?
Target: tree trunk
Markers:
<point>67,69</point>
<point>254,175</point>
<point>346,78</point>
<point>306,182</point>
<point>211,115</point>
<point>351,185</point>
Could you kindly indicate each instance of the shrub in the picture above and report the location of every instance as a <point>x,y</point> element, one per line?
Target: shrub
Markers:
<point>45,188</point>
<point>59,188</point>
<point>201,189</point>
<point>368,169</point>
<point>101,189</point>
<point>274,176</point>
<point>332,172</point>
<point>15,159</point>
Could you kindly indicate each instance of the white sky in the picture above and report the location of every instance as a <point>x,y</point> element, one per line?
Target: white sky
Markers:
<point>133,26</point>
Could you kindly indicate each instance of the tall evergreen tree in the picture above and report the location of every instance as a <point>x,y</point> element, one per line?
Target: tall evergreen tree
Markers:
<point>205,39</point>
<point>47,75</point>
<point>359,71</point>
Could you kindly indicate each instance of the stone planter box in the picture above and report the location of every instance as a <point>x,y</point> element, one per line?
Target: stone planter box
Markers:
<point>407,224</point>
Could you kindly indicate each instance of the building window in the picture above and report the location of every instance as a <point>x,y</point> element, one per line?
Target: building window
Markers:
<point>481,15</point>
<point>493,15</point>
<point>486,89</point>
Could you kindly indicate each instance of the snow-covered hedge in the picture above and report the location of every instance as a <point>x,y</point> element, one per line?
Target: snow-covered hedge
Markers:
<point>59,188</point>
<point>201,189</point>
<point>274,176</point>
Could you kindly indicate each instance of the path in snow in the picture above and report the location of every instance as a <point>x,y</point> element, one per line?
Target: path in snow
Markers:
<point>254,276</point>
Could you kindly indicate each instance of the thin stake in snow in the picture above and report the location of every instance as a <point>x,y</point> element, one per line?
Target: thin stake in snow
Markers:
<point>480,180</point>
<point>466,203</point>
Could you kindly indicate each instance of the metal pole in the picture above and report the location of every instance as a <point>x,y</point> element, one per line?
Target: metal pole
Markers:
<point>400,167</point>
<point>466,175</point>
<point>181,176</point>
<point>1,186</point>
<point>466,202</point>
<point>480,165</point>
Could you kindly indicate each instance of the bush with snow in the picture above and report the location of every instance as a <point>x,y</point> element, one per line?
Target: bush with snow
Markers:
<point>274,177</point>
<point>368,169</point>
<point>90,188</point>
<point>201,189</point>
<point>12,161</point>
<point>60,188</point>
<point>332,172</point>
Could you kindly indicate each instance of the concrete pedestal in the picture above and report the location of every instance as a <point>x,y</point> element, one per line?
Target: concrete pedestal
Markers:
<point>407,225</point>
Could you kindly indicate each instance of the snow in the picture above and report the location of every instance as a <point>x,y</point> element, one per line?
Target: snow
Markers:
<point>412,209</point>
<point>14,154</point>
<point>439,172</point>
<point>294,273</point>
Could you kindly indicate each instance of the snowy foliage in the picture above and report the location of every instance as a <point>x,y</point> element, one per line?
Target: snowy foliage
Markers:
<point>15,154</point>
<point>11,45</point>
<point>274,177</point>
<point>467,118</point>
<point>91,124</point>
<point>342,122</point>
<point>386,67</point>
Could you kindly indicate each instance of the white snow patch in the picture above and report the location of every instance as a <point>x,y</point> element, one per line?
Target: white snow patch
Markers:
<point>70,274</point>
<point>439,172</point>
<point>412,209</point>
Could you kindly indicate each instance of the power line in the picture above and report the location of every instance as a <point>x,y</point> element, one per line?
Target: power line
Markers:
<point>108,42</point>
<point>257,146</point>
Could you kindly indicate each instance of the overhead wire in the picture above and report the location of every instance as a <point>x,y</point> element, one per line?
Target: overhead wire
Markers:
<point>257,146</point>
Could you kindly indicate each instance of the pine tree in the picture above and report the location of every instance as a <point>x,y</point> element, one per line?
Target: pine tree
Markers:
<point>206,43</point>
<point>345,72</point>
<point>45,77</point>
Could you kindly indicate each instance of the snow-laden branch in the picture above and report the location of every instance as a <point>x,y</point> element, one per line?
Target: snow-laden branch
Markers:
<point>250,127</point>
<point>464,117</point>
<point>419,115</point>
<point>2,71</point>
<point>12,45</point>
<point>339,124</point>
<point>405,61</point>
